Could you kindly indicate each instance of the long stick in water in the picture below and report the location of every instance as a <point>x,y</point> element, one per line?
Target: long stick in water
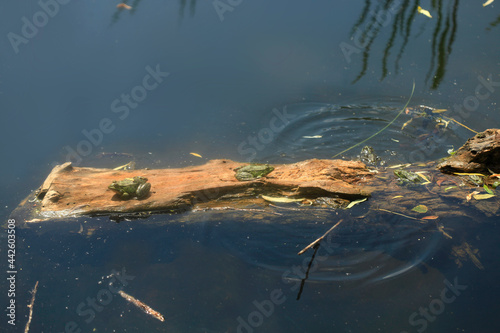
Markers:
<point>142,306</point>
<point>33,293</point>
<point>319,239</point>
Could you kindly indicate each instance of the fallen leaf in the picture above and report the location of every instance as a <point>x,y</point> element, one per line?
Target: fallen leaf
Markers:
<point>399,166</point>
<point>449,188</point>
<point>430,217</point>
<point>483,196</point>
<point>406,124</point>
<point>469,196</point>
<point>397,196</point>
<point>312,136</point>
<point>487,189</point>
<point>468,174</point>
<point>420,209</point>
<point>123,6</point>
<point>422,176</point>
<point>487,3</point>
<point>197,155</point>
<point>424,12</point>
<point>282,199</point>
<point>355,202</point>
<point>439,110</point>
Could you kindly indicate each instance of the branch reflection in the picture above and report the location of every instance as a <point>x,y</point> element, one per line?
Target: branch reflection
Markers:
<point>400,17</point>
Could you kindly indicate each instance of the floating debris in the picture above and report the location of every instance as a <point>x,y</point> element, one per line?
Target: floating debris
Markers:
<point>123,6</point>
<point>142,306</point>
<point>424,12</point>
<point>355,202</point>
<point>281,199</point>
<point>197,155</point>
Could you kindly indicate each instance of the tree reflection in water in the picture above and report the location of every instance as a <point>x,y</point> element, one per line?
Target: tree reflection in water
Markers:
<point>401,15</point>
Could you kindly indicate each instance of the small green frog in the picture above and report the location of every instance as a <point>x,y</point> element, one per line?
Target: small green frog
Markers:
<point>131,187</point>
<point>476,180</point>
<point>252,171</point>
<point>407,176</point>
<point>368,156</point>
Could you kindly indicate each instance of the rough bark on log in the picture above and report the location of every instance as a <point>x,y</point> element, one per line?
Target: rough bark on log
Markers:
<point>76,191</point>
<point>479,154</point>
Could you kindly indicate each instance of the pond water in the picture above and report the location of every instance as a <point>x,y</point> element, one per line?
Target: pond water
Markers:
<point>253,81</point>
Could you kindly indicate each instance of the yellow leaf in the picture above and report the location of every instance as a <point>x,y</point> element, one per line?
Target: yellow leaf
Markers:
<point>420,209</point>
<point>197,155</point>
<point>487,3</point>
<point>355,202</point>
<point>282,199</point>
<point>424,12</point>
<point>439,110</point>
<point>469,196</point>
<point>468,174</point>
<point>406,124</point>
<point>399,166</point>
<point>422,176</point>
<point>483,196</point>
<point>397,196</point>
<point>449,188</point>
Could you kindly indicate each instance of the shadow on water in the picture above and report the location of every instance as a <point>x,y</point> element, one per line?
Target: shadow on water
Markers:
<point>494,24</point>
<point>400,16</point>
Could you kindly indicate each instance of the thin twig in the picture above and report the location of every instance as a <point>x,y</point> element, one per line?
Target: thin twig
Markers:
<point>389,124</point>
<point>319,239</point>
<point>403,215</point>
<point>33,292</point>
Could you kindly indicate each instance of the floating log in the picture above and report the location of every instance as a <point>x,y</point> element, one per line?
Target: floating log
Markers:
<point>76,191</point>
<point>71,191</point>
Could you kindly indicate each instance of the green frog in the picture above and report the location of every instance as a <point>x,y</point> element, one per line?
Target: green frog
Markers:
<point>131,187</point>
<point>407,177</point>
<point>252,171</point>
<point>368,156</point>
<point>476,180</point>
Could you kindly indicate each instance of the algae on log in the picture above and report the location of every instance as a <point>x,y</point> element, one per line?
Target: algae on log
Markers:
<point>76,191</point>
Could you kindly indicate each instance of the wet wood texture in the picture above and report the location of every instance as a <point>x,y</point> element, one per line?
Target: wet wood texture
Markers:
<point>72,191</point>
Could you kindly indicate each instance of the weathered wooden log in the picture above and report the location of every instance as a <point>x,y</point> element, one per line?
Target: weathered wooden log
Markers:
<point>76,191</point>
<point>479,154</point>
<point>72,191</point>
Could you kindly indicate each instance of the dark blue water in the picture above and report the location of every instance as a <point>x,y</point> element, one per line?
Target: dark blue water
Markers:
<point>262,81</point>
